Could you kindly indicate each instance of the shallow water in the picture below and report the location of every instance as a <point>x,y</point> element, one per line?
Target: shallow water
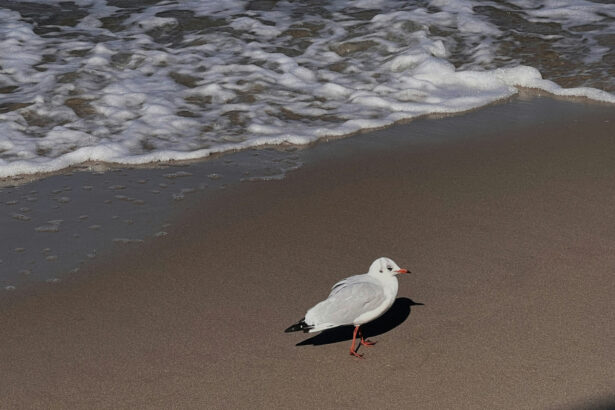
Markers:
<point>146,81</point>
<point>52,226</point>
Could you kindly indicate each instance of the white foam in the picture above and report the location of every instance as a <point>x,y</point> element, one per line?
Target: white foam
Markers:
<point>148,88</point>
<point>530,77</point>
<point>568,12</point>
<point>254,26</point>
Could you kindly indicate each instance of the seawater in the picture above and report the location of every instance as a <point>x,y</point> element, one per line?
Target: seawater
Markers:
<point>144,81</point>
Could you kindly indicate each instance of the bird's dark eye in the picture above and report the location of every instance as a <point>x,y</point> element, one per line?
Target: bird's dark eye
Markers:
<point>389,268</point>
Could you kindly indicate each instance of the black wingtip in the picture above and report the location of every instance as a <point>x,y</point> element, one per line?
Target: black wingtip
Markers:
<point>300,325</point>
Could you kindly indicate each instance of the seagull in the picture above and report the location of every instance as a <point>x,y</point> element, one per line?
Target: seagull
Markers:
<point>355,300</point>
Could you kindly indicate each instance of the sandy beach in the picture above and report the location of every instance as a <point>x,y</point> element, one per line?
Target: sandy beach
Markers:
<point>506,220</point>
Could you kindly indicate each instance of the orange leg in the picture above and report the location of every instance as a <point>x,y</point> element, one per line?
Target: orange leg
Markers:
<point>364,342</point>
<point>353,351</point>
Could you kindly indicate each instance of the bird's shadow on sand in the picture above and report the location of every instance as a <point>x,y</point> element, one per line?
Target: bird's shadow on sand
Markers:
<point>394,317</point>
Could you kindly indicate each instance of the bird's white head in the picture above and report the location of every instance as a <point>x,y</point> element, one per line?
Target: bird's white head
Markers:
<point>385,266</point>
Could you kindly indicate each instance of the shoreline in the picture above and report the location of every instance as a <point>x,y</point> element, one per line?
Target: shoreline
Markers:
<point>523,92</point>
<point>503,214</point>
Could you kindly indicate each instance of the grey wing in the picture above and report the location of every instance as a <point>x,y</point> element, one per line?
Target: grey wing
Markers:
<point>348,300</point>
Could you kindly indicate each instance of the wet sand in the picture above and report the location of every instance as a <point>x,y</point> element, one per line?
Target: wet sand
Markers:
<point>506,216</point>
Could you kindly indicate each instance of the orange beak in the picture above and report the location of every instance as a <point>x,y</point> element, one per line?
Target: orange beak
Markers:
<point>402,271</point>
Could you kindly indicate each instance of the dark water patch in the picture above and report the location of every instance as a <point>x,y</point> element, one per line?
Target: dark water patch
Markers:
<point>66,14</point>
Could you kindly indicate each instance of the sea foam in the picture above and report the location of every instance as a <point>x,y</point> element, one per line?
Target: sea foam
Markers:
<point>147,82</point>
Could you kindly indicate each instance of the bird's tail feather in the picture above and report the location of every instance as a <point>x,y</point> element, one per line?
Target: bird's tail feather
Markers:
<point>300,325</point>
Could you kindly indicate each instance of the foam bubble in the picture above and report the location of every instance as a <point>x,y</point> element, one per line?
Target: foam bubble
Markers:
<point>178,174</point>
<point>50,226</point>
<point>127,240</point>
<point>21,217</point>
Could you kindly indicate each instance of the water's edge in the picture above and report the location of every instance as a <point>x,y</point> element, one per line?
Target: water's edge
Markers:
<point>58,224</point>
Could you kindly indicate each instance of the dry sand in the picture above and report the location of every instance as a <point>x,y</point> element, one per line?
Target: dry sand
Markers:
<point>510,233</point>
